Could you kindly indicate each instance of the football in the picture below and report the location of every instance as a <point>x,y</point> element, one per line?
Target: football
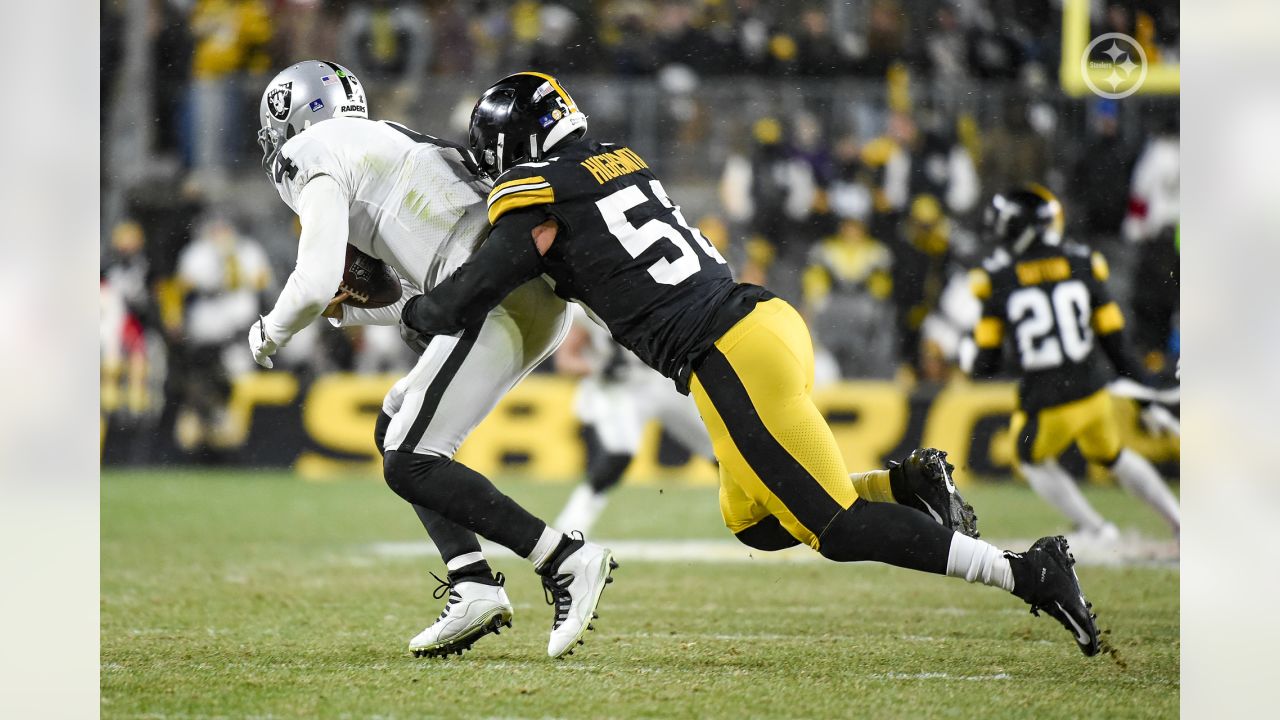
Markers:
<point>368,282</point>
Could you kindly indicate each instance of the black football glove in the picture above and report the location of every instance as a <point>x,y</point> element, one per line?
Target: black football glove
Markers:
<point>416,341</point>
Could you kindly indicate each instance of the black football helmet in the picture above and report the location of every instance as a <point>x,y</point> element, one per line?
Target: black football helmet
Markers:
<point>519,119</point>
<point>1018,218</point>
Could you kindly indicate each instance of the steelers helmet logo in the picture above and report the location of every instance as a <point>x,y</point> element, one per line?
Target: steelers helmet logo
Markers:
<point>280,100</point>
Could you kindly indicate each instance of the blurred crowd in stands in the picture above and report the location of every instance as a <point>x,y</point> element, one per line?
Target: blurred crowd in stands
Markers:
<point>839,153</point>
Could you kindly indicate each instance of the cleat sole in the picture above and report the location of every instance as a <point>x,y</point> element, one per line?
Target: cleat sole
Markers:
<point>456,646</point>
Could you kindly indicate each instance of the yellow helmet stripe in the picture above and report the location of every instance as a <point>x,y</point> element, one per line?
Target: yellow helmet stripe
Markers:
<point>1043,192</point>
<point>1059,220</point>
<point>573,107</point>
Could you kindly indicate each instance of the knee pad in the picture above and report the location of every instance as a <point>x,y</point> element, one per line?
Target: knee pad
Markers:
<point>845,537</point>
<point>767,535</point>
<point>400,469</point>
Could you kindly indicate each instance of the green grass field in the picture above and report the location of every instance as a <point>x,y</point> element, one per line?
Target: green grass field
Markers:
<point>252,594</point>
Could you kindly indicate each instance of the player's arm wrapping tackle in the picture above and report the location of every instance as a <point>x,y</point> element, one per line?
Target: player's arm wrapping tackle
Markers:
<point>507,259</point>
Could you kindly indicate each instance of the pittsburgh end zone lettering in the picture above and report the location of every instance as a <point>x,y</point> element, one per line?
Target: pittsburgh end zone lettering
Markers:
<point>325,429</point>
<point>607,166</point>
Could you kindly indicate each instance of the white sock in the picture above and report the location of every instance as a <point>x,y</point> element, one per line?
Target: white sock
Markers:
<point>1140,478</point>
<point>546,544</point>
<point>464,560</point>
<point>582,510</point>
<point>979,561</point>
<point>1057,488</point>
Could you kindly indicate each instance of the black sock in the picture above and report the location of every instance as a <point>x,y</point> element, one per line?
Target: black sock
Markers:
<point>898,486</point>
<point>566,547</point>
<point>606,470</point>
<point>464,496</point>
<point>887,533</point>
<point>478,571</point>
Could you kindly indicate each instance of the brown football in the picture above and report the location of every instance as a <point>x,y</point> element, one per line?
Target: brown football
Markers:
<point>368,281</point>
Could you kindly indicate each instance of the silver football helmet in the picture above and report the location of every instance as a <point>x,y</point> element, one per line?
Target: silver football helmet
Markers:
<point>302,95</point>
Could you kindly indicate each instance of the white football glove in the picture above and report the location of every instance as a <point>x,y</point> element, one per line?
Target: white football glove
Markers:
<point>1158,421</point>
<point>1127,388</point>
<point>260,345</point>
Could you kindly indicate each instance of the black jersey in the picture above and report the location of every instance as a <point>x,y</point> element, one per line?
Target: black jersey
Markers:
<point>1055,303</point>
<point>624,251</point>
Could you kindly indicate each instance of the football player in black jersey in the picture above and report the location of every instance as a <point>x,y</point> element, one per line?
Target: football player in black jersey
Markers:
<point>593,219</point>
<point>1052,296</point>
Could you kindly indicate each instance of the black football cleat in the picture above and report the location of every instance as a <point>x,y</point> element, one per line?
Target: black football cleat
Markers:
<point>1045,578</point>
<point>923,481</point>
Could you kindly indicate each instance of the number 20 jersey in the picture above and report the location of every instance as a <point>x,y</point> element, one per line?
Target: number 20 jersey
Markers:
<point>1054,301</point>
<point>624,251</point>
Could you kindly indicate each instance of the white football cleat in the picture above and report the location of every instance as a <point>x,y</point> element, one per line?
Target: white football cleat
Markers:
<point>474,609</point>
<point>1104,536</point>
<point>574,589</point>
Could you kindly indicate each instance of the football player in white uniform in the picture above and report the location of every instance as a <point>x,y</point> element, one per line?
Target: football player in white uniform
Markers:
<point>416,203</point>
<point>617,397</point>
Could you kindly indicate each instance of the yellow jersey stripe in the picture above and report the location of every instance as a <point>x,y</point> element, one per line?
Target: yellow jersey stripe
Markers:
<point>1108,319</point>
<point>989,333</point>
<point>497,189</point>
<point>980,283</point>
<point>520,199</point>
<point>495,197</point>
<point>1101,270</point>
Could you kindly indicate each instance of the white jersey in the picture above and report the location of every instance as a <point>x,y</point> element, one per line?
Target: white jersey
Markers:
<point>414,204</point>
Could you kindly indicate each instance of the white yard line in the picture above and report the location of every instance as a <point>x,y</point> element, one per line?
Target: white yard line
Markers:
<point>939,676</point>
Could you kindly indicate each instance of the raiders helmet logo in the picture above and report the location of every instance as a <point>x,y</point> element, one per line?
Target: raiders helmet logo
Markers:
<point>279,101</point>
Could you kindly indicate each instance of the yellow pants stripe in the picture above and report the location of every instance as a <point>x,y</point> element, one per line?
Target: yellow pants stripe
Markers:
<point>777,455</point>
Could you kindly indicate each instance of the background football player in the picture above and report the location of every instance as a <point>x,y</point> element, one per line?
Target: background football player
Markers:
<point>593,218</point>
<point>416,203</point>
<point>616,399</point>
<point>1052,295</point>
